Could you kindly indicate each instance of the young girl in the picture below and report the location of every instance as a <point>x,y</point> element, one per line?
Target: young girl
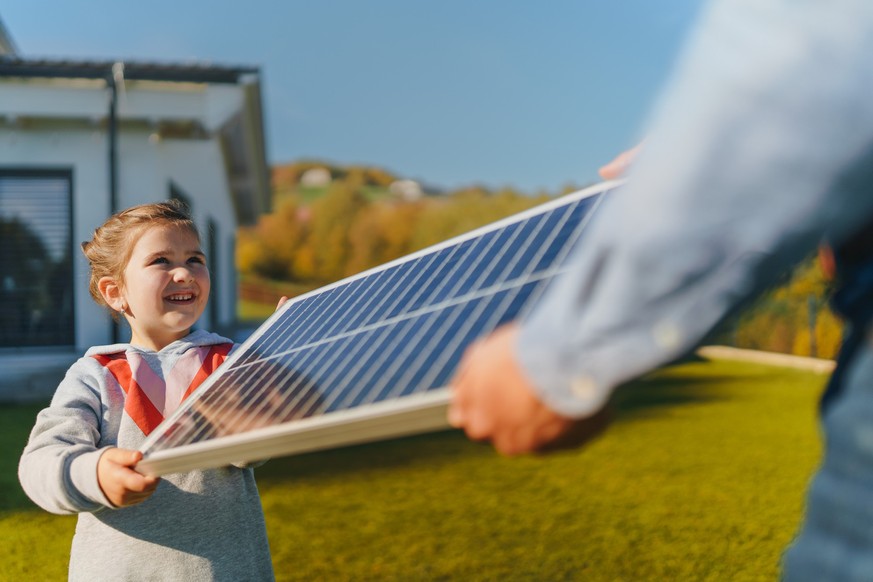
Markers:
<point>147,266</point>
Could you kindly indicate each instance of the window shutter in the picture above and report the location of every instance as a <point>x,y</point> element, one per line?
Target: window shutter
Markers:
<point>36,262</point>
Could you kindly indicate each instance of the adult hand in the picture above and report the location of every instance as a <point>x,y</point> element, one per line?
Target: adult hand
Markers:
<point>827,262</point>
<point>617,167</point>
<point>121,484</point>
<point>492,400</point>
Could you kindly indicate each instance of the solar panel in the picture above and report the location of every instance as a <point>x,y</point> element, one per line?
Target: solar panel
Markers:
<point>369,357</point>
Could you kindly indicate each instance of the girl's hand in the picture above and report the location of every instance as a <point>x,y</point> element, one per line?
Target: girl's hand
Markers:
<point>282,301</point>
<point>119,482</point>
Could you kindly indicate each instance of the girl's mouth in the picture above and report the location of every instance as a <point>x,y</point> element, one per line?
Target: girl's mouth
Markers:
<point>180,298</point>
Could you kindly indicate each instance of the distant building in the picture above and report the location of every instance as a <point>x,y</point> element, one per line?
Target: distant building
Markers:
<point>80,140</point>
<point>315,177</point>
<point>408,190</point>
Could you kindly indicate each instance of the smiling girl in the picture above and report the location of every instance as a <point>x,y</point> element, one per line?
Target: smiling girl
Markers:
<point>146,266</point>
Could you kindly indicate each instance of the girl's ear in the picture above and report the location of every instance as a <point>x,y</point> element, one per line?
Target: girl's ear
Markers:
<point>111,292</point>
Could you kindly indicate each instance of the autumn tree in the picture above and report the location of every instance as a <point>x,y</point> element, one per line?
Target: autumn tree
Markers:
<point>332,218</point>
<point>342,232</point>
<point>792,318</point>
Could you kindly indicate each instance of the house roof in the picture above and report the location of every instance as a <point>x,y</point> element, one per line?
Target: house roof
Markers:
<point>242,141</point>
<point>7,45</point>
<point>16,66</point>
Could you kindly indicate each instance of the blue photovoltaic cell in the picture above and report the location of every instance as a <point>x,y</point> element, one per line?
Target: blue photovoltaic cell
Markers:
<point>395,331</point>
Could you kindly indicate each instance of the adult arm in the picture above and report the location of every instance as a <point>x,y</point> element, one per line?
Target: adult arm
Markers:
<point>761,145</point>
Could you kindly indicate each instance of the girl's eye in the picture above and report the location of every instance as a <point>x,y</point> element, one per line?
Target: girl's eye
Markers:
<point>198,260</point>
<point>160,261</point>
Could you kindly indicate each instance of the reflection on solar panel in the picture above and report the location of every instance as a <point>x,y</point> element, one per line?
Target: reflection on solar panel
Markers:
<point>369,357</point>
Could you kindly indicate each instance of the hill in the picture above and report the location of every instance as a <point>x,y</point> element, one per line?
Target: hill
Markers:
<point>331,221</point>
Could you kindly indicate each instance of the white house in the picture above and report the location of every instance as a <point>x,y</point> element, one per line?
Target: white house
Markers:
<point>80,140</point>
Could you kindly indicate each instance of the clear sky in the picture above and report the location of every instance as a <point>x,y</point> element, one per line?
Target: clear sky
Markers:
<point>534,95</point>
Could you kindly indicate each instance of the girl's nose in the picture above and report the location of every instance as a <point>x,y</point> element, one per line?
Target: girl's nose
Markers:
<point>182,275</point>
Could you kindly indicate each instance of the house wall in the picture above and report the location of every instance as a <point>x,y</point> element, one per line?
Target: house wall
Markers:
<point>197,168</point>
<point>34,372</point>
<point>146,167</point>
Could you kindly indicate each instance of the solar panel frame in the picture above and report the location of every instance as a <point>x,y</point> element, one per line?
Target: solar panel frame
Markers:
<point>381,414</point>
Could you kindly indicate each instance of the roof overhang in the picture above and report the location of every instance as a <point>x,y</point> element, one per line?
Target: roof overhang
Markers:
<point>14,66</point>
<point>239,128</point>
<point>7,45</point>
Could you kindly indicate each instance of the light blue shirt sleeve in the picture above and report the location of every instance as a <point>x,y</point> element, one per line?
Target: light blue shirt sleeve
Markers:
<point>761,144</point>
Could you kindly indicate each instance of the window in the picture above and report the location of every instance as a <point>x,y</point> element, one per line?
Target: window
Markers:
<point>36,260</point>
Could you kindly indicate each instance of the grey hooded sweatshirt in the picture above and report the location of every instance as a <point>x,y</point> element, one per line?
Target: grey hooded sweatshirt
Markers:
<point>201,525</point>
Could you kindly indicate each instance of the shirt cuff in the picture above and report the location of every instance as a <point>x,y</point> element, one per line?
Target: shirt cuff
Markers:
<point>569,393</point>
<point>83,477</point>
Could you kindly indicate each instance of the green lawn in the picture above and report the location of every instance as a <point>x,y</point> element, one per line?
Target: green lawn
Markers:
<point>700,478</point>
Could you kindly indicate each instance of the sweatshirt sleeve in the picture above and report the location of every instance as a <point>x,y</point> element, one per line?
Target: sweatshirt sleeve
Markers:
<point>58,468</point>
<point>762,144</point>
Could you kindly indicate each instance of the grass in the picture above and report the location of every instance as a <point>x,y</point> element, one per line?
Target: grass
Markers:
<point>701,477</point>
<point>36,545</point>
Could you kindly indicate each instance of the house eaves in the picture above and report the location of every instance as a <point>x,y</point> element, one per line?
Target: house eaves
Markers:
<point>14,66</point>
<point>7,45</point>
<point>245,161</point>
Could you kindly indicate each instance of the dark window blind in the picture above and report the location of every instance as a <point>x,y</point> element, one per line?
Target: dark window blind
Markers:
<point>36,270</point>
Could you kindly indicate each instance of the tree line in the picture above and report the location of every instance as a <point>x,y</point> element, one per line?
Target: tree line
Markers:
<point>319,234</point>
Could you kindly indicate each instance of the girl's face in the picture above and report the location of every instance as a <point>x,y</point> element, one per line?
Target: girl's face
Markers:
<point>166,286</point>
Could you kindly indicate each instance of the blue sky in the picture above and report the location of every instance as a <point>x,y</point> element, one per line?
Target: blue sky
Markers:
<point>533,95</point>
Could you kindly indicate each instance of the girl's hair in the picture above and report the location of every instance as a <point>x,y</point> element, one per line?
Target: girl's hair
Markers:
<point>110,248</point>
